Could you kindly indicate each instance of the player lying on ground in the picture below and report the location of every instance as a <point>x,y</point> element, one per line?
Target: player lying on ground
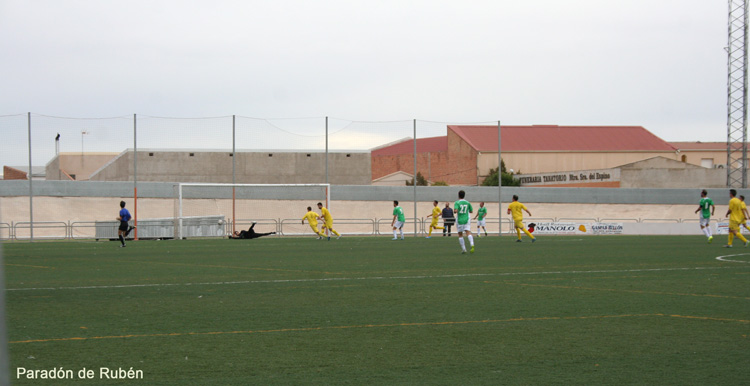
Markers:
<point>250,234</point>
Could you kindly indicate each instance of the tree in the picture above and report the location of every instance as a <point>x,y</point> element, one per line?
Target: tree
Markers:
<point>421,181</point>
<point>508,179</point>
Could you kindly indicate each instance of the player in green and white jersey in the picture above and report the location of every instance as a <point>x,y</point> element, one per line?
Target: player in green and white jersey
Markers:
<point>480,217</point>
<point>463,211</point>
<point>398,221</point>
<point>706,207</point>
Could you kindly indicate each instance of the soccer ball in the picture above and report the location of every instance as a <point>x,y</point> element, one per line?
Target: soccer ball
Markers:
<point>221,222</point>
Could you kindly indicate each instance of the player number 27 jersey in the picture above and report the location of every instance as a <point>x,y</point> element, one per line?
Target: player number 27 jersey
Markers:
<point>462,208</point>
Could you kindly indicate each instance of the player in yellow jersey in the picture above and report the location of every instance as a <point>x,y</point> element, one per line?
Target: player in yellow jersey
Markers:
<point>435,217</point>
<point>744,213</point>
<point>312,219</point>
<point>517,208</point>
<point>325,215</point>
<point>735,218</point>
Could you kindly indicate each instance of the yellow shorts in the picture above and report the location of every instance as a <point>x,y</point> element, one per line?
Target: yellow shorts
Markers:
<point>314,227</point>
<point>734,226</point>
<point>434,223</point>
<point>519,224</point>
<point>328,225</point>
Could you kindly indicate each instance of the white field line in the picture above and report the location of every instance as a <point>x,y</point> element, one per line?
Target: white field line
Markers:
<point>418,277</point>
<point>724,258</point>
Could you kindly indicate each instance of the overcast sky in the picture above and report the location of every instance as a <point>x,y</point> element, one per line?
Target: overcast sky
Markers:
<point>660,64</point>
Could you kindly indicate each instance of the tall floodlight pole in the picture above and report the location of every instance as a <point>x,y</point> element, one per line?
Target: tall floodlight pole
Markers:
<point>737,95</point>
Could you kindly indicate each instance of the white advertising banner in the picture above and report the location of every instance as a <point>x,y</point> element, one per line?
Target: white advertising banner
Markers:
<point>574,177</point>
<point>575,228</point>
<point>722,228</point>
<point>619,228</point>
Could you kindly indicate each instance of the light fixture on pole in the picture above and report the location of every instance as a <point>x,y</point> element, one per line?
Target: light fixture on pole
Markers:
<point>83,132</point>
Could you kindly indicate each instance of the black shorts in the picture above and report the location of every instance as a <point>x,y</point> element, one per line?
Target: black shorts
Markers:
<point>124,226</point>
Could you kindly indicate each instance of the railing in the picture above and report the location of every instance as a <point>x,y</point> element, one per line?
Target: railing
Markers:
<point>568,219</point>
<point>48,230</point>
<point>81,230</point>
<point>5,231</point>
<point>408,226</point>
<point>349,226</point>
<point>244,224</point>
<point>619,220</point>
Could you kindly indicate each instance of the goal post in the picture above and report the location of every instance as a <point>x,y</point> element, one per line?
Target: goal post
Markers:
<point>216,210</point>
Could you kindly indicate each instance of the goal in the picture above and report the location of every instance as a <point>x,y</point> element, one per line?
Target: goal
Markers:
<point>218,210</point>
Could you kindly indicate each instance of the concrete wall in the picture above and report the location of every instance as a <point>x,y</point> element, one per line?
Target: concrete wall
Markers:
<point>75,164</point>
<point>251,167</point>
<point>662,172</point>
<point>545,162</point>
<point>694,157</point>
<point>20,188</point>
<point>673,178</point>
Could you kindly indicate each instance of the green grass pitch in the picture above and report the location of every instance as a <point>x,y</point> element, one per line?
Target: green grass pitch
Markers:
<point>598,310</point>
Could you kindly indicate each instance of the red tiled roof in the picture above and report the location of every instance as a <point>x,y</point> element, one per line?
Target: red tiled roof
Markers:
<point>424,145</point>
<point>562,138</point>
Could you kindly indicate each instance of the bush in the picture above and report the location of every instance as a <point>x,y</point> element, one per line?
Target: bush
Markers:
<point>508,179</point>
<point>421,181</point>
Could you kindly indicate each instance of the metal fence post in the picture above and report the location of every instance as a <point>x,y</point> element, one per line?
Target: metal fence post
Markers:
<point>135,175</point>
<point>416,226</point>
<point>31,190</point>
<point>499,179</point>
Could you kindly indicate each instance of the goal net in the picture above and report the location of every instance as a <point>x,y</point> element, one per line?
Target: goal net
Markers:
<point>218,210</point>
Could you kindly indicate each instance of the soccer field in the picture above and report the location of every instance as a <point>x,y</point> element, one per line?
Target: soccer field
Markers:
<point>599,310</point>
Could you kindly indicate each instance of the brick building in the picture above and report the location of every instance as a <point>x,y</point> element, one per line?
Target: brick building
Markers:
<point>467,153</point>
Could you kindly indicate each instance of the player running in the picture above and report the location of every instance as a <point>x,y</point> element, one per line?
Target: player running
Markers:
<point>707,208</point>
<point>435,217</point>
<point>744,213</point>
<point>735,218</point>
<point>312,219</point>
<point>463,211</point>
<point>481,219</point>
<point>398,221</point>
<point>123,230</point>
<point>325,215</point>
<point>517,208</point>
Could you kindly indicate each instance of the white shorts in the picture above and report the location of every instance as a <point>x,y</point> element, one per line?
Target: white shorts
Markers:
<point>482,223</point>
<point>398,224</point>
<point>704,221</point>
<point>464,227</point>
